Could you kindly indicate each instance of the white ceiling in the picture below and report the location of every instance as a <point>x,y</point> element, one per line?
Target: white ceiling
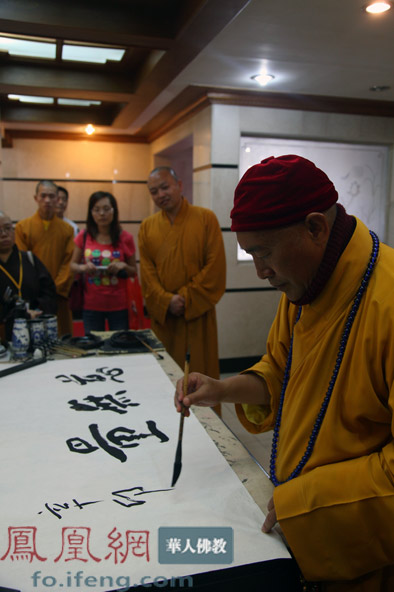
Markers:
<point>312,47</point>
<point>325,48</point>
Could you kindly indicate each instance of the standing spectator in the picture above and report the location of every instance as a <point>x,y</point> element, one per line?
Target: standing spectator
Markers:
<point>51,240</point>
<point>22,275</point>
<point>61,207</point>
<point>183,273</point>
<point>106,255</point>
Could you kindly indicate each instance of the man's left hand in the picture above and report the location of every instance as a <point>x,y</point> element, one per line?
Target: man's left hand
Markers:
<point>270,519</point>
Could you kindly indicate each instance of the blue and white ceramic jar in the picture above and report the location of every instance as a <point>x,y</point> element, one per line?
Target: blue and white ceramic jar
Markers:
<point>20,338</point>
<point>50,327</point>
<point>37,331</point>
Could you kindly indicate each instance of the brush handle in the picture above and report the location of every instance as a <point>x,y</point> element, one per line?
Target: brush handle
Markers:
<point>180,434</point>
<point>185,380</point>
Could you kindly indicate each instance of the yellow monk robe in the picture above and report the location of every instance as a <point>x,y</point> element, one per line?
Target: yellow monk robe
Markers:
<point>338,514</point>
<point>185,258</point>
<point>54,247</point>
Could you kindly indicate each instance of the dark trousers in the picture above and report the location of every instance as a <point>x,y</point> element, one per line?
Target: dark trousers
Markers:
<point>94,320</point>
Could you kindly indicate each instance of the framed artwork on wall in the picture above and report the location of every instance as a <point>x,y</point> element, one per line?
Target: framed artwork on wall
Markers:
<point>358,171</point>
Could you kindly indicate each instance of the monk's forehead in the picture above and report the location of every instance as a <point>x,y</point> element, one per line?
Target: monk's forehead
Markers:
<point>268,238</point>
<point>47,187</point>
<point>159,177</point>
<point>4,219</point>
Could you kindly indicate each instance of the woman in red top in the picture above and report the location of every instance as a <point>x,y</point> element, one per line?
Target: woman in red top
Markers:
<point>106,255</point>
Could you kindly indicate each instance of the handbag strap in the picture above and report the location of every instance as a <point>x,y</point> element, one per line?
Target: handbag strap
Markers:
<point>85,232</point>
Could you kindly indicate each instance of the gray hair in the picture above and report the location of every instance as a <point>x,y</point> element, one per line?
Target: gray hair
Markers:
<point>159,169</point>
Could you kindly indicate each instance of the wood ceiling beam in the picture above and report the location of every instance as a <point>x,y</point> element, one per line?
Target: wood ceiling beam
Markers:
<point>59,82</point>
<point>205,25</point>
<point>42,114</point>
<point>134,24</point>
<point>11,134</point>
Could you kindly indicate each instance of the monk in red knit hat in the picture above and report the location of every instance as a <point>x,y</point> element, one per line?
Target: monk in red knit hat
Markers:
<point>325,385</point>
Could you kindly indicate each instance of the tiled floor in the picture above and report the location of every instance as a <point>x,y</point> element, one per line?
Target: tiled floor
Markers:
<point>258,445</point>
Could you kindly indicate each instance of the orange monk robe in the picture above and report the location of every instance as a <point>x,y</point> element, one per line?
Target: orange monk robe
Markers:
<point>338,514</point>
<point>185,258</point>
<point>54,247</point>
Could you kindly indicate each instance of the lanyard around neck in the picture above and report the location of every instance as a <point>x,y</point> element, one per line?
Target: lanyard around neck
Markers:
<point>18,284</point>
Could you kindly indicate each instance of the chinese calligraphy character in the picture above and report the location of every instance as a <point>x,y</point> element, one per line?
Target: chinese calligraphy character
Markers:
<point>136,544</point>
<point>22,544</point>
<point>75,544</point>
<point>105,403</point>
<point>101,376</point>
<point>173,545</point>
<point>121,437</point>
<point>204,545</point>
<point>56,508</point>
<point>115,544</point>
<point>129,501</point>
<point>188,547</point>
<point>219,546</point>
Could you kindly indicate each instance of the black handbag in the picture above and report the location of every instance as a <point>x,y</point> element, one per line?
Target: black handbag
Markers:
<point>75,300</point>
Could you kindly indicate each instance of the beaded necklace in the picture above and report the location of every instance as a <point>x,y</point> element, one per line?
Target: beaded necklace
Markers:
<point>340,354</point>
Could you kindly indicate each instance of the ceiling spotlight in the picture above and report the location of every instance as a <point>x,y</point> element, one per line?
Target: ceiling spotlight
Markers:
<point>263,78</point>
<point>89,129</point>
<point>378,7</point>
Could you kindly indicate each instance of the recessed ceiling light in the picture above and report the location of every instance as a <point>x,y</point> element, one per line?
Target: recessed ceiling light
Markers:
<point>77,102</point>
<point>31,99</point>
<point>30,48</point>
<point>96,55</point>
<point>263,78</point>
<point>378,7</point>
<point>89,129</point>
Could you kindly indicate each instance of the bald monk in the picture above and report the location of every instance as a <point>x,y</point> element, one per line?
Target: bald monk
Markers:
<point>183,273</point>
<point>52,241</point>
<point>326,383</point>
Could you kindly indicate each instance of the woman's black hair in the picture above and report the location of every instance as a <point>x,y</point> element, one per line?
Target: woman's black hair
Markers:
<point>91,226</point>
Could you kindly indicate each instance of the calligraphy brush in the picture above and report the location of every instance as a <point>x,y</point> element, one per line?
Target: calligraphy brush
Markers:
<point>149,347</point>
<point>178,455</point>
<point>23,366</point>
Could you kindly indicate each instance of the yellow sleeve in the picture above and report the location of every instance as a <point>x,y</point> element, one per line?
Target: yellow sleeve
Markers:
<point>21,238</point>
<point>157,299</point>
<point>64,276</point>
<point>207,287</point>
<point>338,518</point>
<point>261,418</point>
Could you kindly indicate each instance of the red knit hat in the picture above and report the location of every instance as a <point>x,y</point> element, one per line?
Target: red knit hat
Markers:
<point>279,192</point>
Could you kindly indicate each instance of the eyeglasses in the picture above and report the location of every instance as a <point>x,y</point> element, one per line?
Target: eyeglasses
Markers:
<point>6,229</point>
<point>105,210</point>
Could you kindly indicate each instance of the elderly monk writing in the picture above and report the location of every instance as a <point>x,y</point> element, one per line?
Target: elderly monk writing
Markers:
<point>326,383</point>
<point>183,273</point>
